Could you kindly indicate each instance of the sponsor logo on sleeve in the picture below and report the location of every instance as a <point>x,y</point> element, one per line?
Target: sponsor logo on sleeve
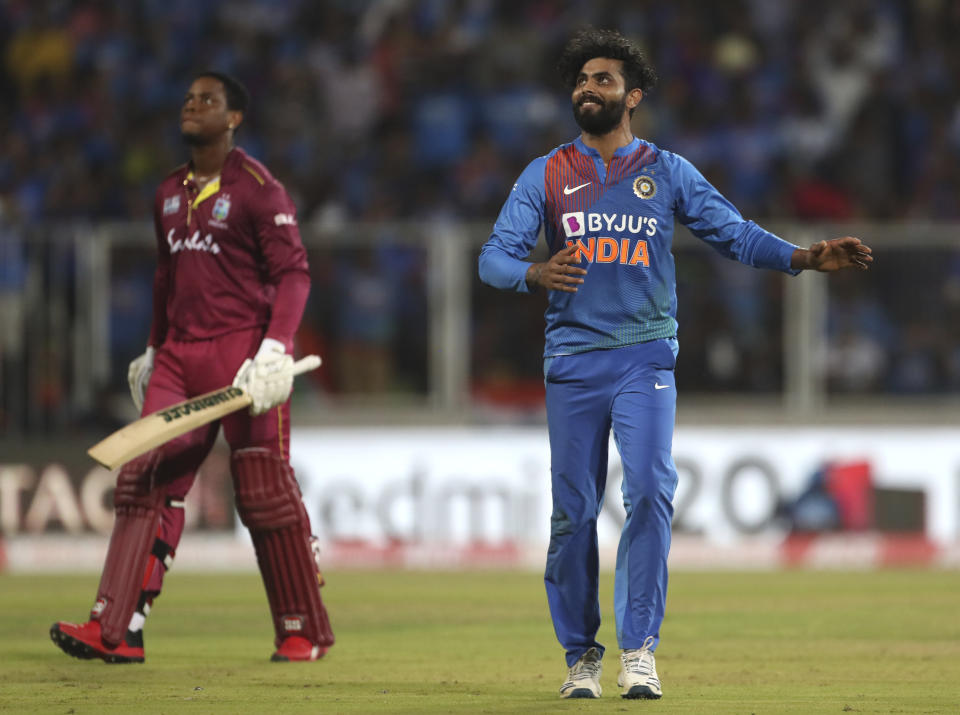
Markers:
<point>285,220</point>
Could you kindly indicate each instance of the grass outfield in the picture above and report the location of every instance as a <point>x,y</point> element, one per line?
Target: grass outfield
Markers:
<point>797,641</point>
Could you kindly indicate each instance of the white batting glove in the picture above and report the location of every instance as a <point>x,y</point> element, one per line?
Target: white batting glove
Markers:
<point>138,375</point>
<point>268,378</point>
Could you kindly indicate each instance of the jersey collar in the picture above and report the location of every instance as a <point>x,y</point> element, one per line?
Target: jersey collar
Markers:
<point>622,151</point>
<point>234,157</point>
<point>209,189</point>
<point>598,164</point>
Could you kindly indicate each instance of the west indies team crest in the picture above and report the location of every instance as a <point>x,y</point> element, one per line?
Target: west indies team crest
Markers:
<point>221,208</point>
<point>645,187</point>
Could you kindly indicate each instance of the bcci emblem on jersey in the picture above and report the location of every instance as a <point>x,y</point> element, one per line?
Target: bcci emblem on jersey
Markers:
<point>221,208</point>
<point>644,187</point>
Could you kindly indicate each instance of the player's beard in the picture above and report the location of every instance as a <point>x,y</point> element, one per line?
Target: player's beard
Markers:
<point>192,139</point>
<point>602,120</point>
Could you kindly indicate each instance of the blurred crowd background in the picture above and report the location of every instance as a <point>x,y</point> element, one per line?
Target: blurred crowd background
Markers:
<point>397,109</point>
<point>391,113</point>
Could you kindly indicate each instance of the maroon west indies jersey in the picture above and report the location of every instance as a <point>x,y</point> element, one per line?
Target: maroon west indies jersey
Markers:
<point>230,255</point>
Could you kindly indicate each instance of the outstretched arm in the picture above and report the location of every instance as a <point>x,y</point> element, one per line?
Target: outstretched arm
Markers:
<point>833,255</point>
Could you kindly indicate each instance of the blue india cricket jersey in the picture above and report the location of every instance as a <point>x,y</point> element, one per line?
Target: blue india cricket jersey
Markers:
<point>620,218</point>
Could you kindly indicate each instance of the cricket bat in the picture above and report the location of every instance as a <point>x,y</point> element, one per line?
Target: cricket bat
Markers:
<point>162,426</point>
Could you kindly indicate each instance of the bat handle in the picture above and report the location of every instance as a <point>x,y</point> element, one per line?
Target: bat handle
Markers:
<point>306,364</point>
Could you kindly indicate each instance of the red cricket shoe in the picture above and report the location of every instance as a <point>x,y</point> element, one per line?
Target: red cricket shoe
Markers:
<point>84,641</point>
<point>297,648</point>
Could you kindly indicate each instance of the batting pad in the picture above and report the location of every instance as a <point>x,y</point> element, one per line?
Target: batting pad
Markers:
<point>269,504</point>
<point>137,503</point>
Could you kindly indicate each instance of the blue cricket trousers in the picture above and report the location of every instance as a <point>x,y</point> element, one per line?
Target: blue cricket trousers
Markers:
<point>631,390</point>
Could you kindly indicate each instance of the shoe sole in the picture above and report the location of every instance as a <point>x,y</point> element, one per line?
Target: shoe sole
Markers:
<point>581,693</point>
<point>79,649</point>
<point>641,692</point>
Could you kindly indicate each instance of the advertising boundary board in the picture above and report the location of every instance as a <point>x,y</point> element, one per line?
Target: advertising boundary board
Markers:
<point>480,497</point>
<point>492,485</point>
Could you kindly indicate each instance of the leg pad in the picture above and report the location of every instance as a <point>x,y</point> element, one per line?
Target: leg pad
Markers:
<point>137,501</point>
<point>270,506</point>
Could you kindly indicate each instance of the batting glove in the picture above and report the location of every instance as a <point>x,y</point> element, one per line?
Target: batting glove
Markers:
<point>268,378</point>
<point>138,375</point>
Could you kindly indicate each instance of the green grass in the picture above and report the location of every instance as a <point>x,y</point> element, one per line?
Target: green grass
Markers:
<point>796,641</point>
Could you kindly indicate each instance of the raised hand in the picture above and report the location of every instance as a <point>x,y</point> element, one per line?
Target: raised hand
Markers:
<point>835,255</point>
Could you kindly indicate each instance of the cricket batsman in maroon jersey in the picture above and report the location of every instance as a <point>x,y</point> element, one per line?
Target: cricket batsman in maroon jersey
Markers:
<point>229,293</point>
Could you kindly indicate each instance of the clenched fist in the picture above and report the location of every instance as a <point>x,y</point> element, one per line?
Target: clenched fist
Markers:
<point>268,378</point>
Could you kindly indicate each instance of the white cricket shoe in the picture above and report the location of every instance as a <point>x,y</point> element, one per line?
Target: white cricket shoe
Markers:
<point>583,679</point>
<point>638,673</point>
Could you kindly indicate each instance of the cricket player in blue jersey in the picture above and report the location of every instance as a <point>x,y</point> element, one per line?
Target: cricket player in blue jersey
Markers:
<point>607,203</point>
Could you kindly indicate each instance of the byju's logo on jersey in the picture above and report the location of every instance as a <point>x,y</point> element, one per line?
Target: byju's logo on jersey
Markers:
<point>573,224</point>
<point>171,205</point>
<point>579,224</point>
<point>221,208</point>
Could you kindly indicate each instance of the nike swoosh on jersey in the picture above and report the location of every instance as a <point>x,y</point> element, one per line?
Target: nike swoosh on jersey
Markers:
<point>658,386</point>
<point>567,190</point>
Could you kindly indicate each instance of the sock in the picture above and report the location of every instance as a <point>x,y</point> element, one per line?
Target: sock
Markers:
<point>139,616</point>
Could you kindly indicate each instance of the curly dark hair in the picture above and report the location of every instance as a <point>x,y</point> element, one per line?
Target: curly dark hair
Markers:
<point>590,43</point>
<point>238,99</point>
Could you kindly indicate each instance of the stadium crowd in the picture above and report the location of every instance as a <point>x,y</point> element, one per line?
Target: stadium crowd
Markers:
<point>426,110</point>
<point>399,110</point>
